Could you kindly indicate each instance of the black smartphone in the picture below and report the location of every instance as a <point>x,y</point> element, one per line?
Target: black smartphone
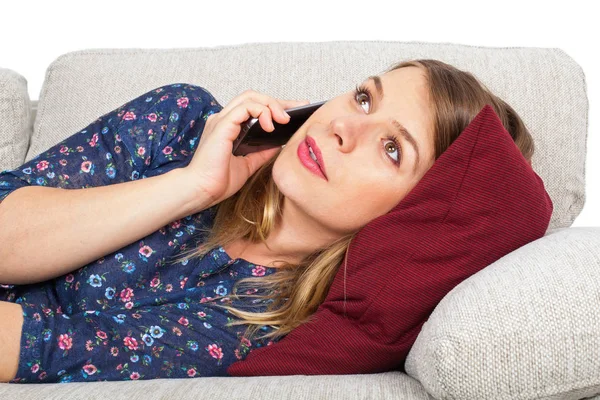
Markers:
<point>253,138</point>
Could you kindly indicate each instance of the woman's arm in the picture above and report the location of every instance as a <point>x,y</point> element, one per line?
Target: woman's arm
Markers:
<point>46,232</point>
<point>82,199</point>
<point>11,323</point>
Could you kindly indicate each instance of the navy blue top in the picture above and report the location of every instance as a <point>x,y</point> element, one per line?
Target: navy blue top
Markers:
<point>130,315</point>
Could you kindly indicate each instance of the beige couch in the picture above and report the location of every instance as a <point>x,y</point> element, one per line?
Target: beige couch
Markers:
<point>526,327</point>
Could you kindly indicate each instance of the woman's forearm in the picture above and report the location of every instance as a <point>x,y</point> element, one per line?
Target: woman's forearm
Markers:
<point>46,232</point>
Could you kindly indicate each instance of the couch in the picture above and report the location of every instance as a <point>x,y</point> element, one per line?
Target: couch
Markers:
<point>526,327</point>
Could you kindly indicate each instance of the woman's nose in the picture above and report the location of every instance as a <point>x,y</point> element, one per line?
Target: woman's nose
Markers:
<point>348,131</point>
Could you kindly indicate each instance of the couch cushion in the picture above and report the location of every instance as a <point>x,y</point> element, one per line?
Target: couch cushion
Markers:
<point>15,124</point>
<point>389,385</point>
<point>526,327</point>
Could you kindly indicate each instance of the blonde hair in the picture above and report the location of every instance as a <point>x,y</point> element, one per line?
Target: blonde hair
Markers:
<point>294,292</point>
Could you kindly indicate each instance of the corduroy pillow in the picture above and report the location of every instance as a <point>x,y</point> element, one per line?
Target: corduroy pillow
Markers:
<point>478,202</point>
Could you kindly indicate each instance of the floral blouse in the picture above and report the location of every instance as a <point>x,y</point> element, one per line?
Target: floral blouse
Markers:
<point>130,315</point>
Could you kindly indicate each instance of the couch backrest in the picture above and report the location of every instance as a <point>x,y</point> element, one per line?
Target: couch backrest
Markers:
<point>544,85</point>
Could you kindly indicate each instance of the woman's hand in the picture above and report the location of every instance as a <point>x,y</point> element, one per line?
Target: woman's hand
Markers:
<point>218,173</point>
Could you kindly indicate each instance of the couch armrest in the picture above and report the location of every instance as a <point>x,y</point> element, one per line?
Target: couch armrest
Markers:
<point>527,326</point>
<point>16,124</point>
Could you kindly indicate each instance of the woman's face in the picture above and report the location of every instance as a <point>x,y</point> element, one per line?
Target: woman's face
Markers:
<point>367,174</point>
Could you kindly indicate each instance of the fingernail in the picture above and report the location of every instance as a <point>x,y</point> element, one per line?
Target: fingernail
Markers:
<point>285,114</point>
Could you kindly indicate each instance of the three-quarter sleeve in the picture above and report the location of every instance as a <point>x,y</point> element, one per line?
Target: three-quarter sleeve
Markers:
<point>149,135</point>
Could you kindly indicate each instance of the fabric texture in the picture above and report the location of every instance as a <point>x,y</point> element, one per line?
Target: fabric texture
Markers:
<point>16,123</point>
<point>509,331</point>
<point>479,201</point>
<point>131,314</point>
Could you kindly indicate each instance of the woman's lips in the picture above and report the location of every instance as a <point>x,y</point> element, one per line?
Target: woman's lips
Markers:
<point>307,161</point>
<point>313,145</point>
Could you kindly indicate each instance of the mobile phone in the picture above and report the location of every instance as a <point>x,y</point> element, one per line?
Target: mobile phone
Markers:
<point>253,138</point>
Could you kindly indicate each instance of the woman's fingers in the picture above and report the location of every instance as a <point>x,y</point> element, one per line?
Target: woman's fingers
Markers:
<point>276,106</point>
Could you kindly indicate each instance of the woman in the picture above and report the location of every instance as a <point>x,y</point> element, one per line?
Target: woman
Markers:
<point>267,220</point>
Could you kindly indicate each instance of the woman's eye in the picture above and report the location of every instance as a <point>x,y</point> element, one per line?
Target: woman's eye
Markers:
<point>391,143</point>
<point>362,93</point>
<point>362,96</point>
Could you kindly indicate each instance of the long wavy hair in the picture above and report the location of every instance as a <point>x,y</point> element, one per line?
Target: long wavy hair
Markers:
<point>294,291</point>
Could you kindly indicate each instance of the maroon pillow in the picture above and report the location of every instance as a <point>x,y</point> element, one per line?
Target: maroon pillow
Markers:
<point>479,201</point>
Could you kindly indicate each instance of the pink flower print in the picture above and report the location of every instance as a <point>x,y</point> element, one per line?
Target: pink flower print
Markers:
<point>42,375</point>
<point>79,149</point>
<point>69,278</point>
<point>35,368</point>
<point>191,372</point>
<point>88,345</point>
<point>90,369</point>
<point>246,342</point>
<point>135,375</point>
<point>146,251</point>
<point>175,224</point>
<point>155,282</point>
<point>129,116</point>
<point>192,123</point>
<point>114,351</point>
<point>259,270</point>
<point>183,321</point>
<point>183,102</point>
<point>152,117</point>
<point>201,314</point>
<point>86,166</point>
<point>42,165</point>
<point>131,343</point>
<point>129,305</point>
<point>176,331</point>
<point>63,162</point>
<point>101,334</point>
<point>117,149</point>
<point>166,96</point>
<point>65,342</point>
<point>169,287</point>
<point>183,282</point>
<point>215,351</point>
<point>126,295</point>
<point>63,149</point>
<point>37,316</point>
<point>141,150</point>
<point>94,140</point>
<point>167,150</point>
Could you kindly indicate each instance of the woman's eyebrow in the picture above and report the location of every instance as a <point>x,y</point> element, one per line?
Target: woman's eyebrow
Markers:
<point>399,127</point>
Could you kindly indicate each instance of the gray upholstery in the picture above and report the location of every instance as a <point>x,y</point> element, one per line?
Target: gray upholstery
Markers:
<point>526,327</point>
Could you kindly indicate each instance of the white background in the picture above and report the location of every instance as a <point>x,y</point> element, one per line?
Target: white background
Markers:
<point>33,34</point>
